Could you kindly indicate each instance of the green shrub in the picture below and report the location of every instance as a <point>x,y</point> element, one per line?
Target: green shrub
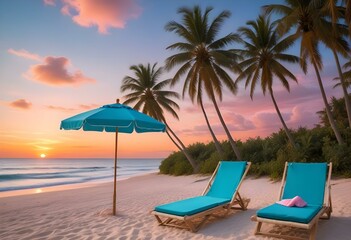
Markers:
<point>182,167</point>
<point>252,150</point>
<point>200,151</point>
<point>168,164</point>
<point>210,164</point>
<point>339,155</point>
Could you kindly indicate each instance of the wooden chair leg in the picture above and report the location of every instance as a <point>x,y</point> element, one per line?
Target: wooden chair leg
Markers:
<point>240,200</point>
<point>191,226</point>
<point>313,232</point>
<point>158,219</point>
<point>258,228</point>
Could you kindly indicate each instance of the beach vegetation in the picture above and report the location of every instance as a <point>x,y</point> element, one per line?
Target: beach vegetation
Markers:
<point>268,155</point>
<point>150,96</point>
<point>264,52</point>
<point>338,44</point>
<point>311,28</point>
<point>204,61</point>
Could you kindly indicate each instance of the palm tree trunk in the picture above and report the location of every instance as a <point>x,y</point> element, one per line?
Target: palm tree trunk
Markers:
<point>183,149</point>
<point>291,139</point>
<point>215,140</point>
<point>230,138</point>
<point>343,85</point>
<point>327,109</point>
<point>175,143</point>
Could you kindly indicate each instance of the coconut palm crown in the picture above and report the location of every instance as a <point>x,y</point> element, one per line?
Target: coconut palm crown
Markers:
<point>203,58</point>
<point>264,52</point>
<point>148,94</point>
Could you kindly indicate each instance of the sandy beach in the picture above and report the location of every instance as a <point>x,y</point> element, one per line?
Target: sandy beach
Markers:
<point>83,213</point>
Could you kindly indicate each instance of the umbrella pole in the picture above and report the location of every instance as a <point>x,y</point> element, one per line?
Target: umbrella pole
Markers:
<point>115,175</point>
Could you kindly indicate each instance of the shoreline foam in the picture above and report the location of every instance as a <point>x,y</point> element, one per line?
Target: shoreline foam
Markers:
<point>63,187</point>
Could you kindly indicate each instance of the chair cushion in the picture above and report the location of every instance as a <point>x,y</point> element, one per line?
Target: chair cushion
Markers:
<point>293,214</point>
<point>227,179</point>
<point>306,180</point>
<point>191,206</point>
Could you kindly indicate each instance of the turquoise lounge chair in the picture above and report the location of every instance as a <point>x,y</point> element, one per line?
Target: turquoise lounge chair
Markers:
<point>222,192</point>
<point>310,181</point>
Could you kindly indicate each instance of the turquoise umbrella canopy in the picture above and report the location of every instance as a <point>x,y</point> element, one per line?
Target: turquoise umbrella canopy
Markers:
<point>109,117</point>
<point>113,118</point>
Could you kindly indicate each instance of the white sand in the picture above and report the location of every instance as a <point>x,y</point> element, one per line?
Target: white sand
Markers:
<point>83,213</point>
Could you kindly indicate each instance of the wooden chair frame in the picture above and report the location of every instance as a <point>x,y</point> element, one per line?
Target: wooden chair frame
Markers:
<point>311,227</point>
<point>187,222</point>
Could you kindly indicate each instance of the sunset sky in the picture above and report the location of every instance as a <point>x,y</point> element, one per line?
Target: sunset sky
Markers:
<point>63,57</point>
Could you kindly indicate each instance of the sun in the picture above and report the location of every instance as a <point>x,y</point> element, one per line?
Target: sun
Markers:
<point>42,155</point>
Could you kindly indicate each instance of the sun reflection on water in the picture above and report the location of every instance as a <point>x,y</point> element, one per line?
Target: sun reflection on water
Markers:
<point>38,190</point>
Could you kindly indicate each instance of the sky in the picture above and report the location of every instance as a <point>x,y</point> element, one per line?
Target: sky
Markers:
<point>59,58</point>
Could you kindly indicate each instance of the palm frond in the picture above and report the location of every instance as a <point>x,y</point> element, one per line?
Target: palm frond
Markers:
<point>177,59</point>
<point>182,70</point>
<point>216,25</point>
<point>224,41</point>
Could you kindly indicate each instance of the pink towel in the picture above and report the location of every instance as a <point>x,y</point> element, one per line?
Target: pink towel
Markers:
<point>294,202</point>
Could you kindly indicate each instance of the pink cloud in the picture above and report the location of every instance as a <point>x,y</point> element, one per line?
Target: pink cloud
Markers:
<point>21,103</point>
<point>50,2</point>
<point>25,54</point>
<point>54,71</point>
<point>270,119</point>
<point>235,123</point>
<point>303,118</point>
<point>80,107</point>
<point>59,108</point>
<point>104,14</point>
<point>240,123</point>
<point>87,107</point>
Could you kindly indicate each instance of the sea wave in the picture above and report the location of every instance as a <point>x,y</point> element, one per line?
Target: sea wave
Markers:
<point>16,174</point>
<point>47,168</point>
<point>41,185</point>
<point>67,174</point>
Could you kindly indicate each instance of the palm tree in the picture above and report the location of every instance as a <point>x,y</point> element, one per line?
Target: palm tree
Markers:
<point>311,28</point>
<point>203,58</point>
<point>147,93</point>
<point>337,107</point>
<point>347,73</point>
<point>263,52</point>
<point>336,42</point>
<point>347,4</point>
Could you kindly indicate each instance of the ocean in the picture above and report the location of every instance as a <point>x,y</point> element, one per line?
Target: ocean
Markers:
<point>20,174</point>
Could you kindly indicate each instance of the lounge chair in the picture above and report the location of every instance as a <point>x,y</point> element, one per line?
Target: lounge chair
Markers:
<point>311,182</point>
<point>222,192</point>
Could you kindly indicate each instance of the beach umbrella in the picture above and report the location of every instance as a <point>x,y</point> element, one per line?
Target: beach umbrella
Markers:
<point>117,118</point>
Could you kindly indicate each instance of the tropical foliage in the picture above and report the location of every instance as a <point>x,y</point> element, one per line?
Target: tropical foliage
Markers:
<point>205,63</point>
<point>312,27</point>
<point>203,59</point>
<point>269,154</point>
<point>149,95</point>
<point>264,52</point>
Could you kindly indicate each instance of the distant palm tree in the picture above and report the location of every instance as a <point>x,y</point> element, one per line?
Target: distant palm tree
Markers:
<point>347,4</point>
<point>149,95</point>
<point>336,42</point>
<point>203,58</point>
<point>263,51</point>
<point>347,73</point>
<point>311,27</point>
